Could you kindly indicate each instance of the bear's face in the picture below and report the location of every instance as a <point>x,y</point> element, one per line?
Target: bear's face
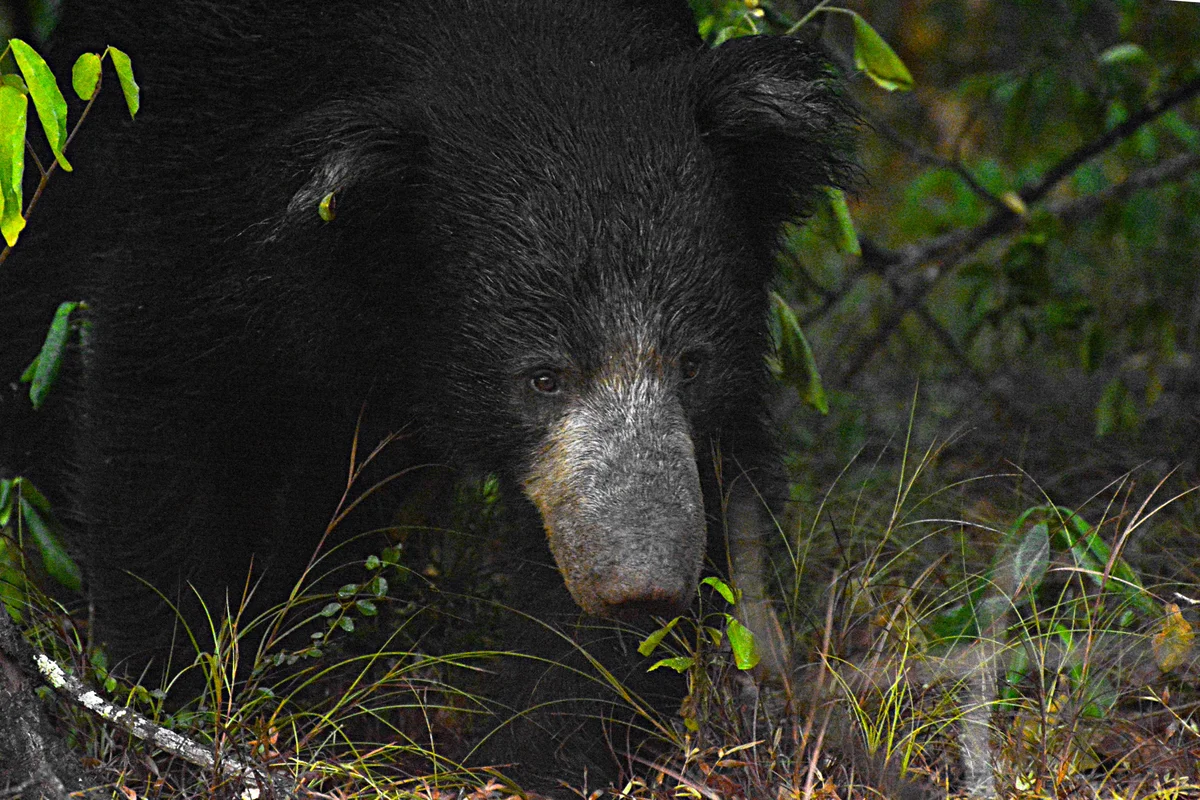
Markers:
<point>578,266</point>
<point>604,330</point>
<point>607,364</point>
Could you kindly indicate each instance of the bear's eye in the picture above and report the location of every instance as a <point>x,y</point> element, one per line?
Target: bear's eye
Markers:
<point>544,381</point>
<point>689,366</point>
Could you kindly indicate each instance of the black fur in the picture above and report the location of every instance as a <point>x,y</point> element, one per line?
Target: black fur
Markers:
<point>519,186</point>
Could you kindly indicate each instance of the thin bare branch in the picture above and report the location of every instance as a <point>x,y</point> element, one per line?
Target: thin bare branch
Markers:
<point>1148,113</point>
<point>925,156</point>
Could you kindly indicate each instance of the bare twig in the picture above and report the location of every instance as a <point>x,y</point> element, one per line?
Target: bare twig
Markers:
<point>951,345</point>
<point>925,156</point>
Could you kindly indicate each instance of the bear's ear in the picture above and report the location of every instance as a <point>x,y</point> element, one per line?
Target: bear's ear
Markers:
<point>777,121</point>
<point>361,153</point>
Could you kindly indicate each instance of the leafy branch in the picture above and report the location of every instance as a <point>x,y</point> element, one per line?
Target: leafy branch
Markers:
<point>37,83</point>
<point>912,272</point>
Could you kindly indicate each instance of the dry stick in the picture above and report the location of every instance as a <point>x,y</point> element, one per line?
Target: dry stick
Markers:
<point>826,636</point>
<point>259,782</point>
<point>944,253</point>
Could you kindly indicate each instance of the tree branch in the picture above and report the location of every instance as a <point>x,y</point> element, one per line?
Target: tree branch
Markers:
<point>942,254</point>
<point>1148,113</point>
<point>930,158</point>
<point>1081,208</point>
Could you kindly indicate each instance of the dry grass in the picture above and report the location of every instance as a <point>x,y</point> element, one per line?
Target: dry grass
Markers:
<point>951,638</point>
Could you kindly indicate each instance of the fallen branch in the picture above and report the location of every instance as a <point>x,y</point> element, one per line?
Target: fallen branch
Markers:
<point>258,781</point>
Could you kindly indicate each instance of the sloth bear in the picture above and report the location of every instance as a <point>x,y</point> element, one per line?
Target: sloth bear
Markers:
<point>535,237</point>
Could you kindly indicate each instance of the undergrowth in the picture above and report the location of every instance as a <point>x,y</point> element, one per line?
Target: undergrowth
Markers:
<point>950,637</point>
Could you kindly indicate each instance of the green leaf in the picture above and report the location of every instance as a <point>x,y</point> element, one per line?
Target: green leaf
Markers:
<point>847,238</point>
<point>1093,347</point>
<point>1017,666</point>
<point>129,86</point>
<point>15,81</point>
<point>85,75</point>
<point>347,591</point>
<point>366,608</point>
<point>346,624</point>
<point>989,609</point>
<point>1022,563</point>
<point>1127,53</point>
<point>678,663</point>
<point>47,99</point>
<point>12,579</point>
<point>652,641</point>
<point>876,58</point>
<point>330,609</point>
<point>30,493</point>
<point>58,564</point>
<point>1070,531</point>
<point>796,365</point>
<point>14,109</point>
<point>745,647</point>
<point>373,562</point>
<point>98,658</point>
<point>1181,130</point>
<point>328,207</point>
<point>378,586</point>
<point>723,589</point>
<point>1116,410</point>
<point>49,359</point>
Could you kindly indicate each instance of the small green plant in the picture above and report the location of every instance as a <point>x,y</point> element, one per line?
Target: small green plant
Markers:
<point>1020,568</point>
<point>25,518</point>
<point>710,630</point>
